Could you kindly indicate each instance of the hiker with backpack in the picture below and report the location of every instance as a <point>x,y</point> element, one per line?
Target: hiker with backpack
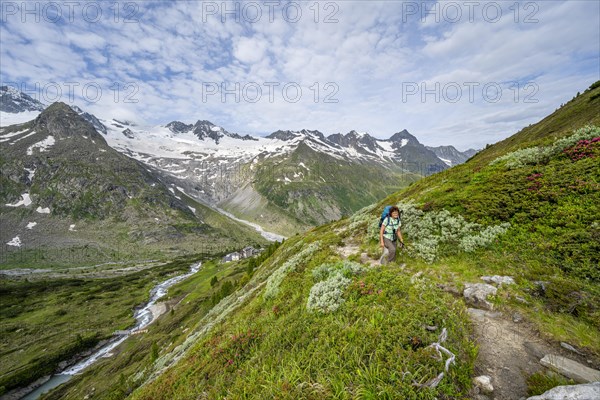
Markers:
<point>389,232</point>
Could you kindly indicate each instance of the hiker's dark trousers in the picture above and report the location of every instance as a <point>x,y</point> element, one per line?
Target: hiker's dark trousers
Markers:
<point>391,248</point>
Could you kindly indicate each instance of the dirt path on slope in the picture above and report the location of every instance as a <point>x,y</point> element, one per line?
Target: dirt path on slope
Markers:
<point>351,249</point>
<point>509,351</point>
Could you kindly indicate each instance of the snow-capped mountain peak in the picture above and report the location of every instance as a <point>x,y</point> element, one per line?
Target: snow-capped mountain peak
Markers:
<point>91,119</point>
<point>361,142</point>
<point>204,129</point>
<point>14,101</point>
<point>18,107</point>
<point>301,135</point>
<point>403,136</point>
<point>451,156</point>
<point>313,134</point>
<point>359,135</point>
<point>283,135</point>
<point>179,127</point>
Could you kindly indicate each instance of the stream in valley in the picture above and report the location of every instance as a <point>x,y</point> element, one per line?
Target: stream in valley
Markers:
<point>143,316</point>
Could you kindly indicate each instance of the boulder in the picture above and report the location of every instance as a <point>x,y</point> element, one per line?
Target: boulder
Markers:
<point>416,277</point>
<point>517,317</point>
<point>449,287</point>
<point>521,300</point>
<point>571,369</point>
<point>477,293</point>
<point>499,280</point>
<point>484,383</point>
<point>540,288</point>
<point>588,391</point>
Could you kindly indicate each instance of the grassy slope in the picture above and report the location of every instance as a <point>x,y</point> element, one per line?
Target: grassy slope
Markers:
<point>579,111</point>
<point>554,235</point>
<point>349,185</point>
<point>371,347</point>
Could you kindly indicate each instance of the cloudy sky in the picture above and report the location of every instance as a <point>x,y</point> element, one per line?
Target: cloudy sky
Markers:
<point>452,72</point>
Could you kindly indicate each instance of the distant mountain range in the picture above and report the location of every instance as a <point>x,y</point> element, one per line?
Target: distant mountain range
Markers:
<point>286,181</point>
<point>451,156</point>
<point>63,186</point>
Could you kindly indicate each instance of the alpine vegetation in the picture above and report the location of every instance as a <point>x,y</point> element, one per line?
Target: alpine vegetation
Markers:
<point>332,279</point>
<point>272,287</point>
<point>433,231</point>
<point>346,268</point>
<point>484,238</point>
<point>539,154</point>
<point>362,217</point>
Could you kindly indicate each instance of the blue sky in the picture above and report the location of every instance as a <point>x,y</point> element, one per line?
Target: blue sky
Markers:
<point>465,73</point>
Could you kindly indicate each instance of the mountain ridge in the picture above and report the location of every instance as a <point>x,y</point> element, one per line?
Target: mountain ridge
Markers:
<point>451,156</point>
<point>58,168</point>
<point>206,129</point>
<point>225,169</point>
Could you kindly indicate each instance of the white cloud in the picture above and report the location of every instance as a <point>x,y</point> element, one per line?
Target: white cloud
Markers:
<point>249,50</point>
<point>373,51</point>
<point>86,40</point>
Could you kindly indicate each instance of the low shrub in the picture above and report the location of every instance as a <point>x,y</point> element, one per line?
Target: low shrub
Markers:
<point>332,279</point>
